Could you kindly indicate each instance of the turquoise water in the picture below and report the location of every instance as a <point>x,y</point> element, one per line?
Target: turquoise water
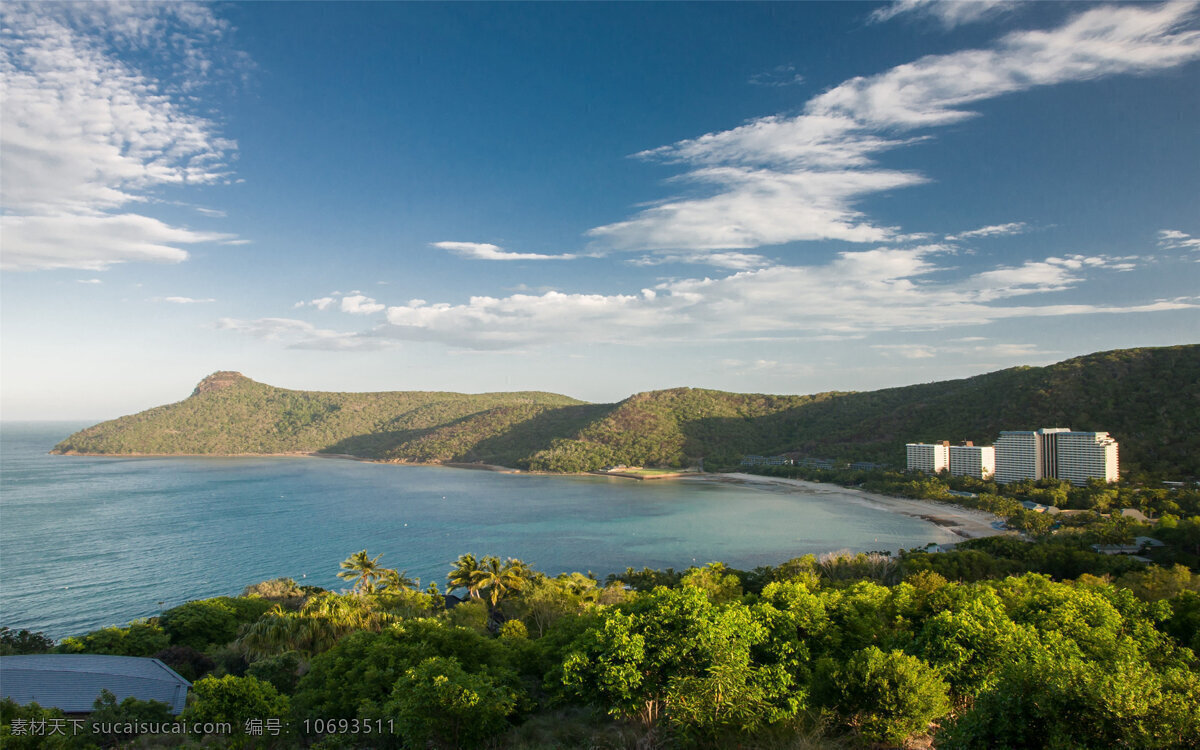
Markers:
<point>88,542</point>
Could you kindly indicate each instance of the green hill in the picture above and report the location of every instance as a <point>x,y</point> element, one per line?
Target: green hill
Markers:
<point>1149,399</point>
<point>230,414</point>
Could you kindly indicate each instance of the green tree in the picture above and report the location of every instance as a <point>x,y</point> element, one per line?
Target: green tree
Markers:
<point>233,701</point>
<point>439,704</point>
<point>187,661</point>
<point>23,642</point>
<point>282,671</point>
<point>1156,582</point>
<point>205,623</point>
<point>1052,698</point>
<point>320,623</point>
<point>139,638</point>
<point>462,575</point>
<point>499,579</point>
<point>363,667</point>
<point>129,713</point>
<point>395,582</point>
<point>887,696</point>
<point>363,570</point>
<point>674,654</point>
<point>716,581</point>
<point>17,725</point>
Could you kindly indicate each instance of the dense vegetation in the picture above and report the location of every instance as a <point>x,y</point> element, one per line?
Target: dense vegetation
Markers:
<point>864,650</point>
<point>1149,399</point>
<point>230,414</point>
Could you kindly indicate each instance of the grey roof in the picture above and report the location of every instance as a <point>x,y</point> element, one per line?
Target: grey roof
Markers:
<point>72,682</point>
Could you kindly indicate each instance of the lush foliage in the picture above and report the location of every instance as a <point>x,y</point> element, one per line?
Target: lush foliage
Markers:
<point>234,701</point>
<point>231,414</point>
<point>833,651</point>
<point>1147,398</point>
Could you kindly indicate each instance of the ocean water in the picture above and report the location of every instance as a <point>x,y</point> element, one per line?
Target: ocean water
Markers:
<point>88,542</point>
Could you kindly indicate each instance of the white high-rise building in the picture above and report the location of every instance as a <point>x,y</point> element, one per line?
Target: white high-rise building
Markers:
<point>928,457</point>
<point>1081,456</point>
<point>1055,452</point>
<point>1018,456</point>
<point>972,460</point>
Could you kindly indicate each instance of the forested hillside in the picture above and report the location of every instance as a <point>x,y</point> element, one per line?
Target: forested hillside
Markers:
<point>230,414</point>
<point>1149,399</point>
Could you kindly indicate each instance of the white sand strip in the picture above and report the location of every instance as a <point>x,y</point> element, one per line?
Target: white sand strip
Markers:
<point>966,522</point>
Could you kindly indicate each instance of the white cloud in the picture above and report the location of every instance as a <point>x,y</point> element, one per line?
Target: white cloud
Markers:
<point>928,351</point>
<point>485,251</point>
<point>360,305</point>
<point>781,179</point>
<point>183,300</point>
<point>995,230</point>
<point>355,303</point>
<point>89,281</point>
<point>759,207</point>
<point>321,303</point>
<point>884,289</point>
<point>1176,240</point>
<point>950,13</point>
<point>93,242</point>
<point>907,351</point>
<point>86,134</point>
<point>299,334</point>
<point>734,260</point>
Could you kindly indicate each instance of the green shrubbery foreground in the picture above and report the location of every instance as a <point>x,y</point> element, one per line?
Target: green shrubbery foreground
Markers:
<point>839,652</point>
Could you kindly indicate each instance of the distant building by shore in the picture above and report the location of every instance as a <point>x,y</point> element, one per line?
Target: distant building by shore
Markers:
<point>753,460</point>
<point>1056,452</point>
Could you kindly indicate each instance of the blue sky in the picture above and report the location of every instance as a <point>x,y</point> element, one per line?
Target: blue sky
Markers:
<point>592,199</point>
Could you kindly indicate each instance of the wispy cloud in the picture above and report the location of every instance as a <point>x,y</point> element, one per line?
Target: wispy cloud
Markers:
<point>355,303</point>
<point>931,351</point>
<point>884,289</point>
<point>485,251</point>
<point>89,281</point>
<point>1176,240</point>
<point>183,300</point>
<point>94,242</point>
<point>950,13</point>
<point>86,134</point>
<point>734,260</point>
<point>781,179</point>
<point>779,76</point>
<point>995,230</point>
<point>299,334</point>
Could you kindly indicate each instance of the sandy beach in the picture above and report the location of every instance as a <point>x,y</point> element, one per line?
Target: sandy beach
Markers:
<point>965,522</point>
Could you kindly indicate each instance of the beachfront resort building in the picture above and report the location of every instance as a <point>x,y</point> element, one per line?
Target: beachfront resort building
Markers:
<point>928,457</point>
<point>1081,456</point>
<point>1056,452</point>
<point>970,460</point>
<point>1019,455</point>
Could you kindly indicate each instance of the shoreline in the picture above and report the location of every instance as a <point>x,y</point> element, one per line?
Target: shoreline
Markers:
<point>967,523</point>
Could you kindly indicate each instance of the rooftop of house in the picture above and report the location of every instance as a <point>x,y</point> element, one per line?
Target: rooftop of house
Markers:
<point>72,682</point>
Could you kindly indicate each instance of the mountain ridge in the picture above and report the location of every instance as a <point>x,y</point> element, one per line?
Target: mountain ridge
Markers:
<point>1148,398</point>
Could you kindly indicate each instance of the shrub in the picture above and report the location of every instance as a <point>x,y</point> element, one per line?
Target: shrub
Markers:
<point>439,704</point>
<point>887,696</point>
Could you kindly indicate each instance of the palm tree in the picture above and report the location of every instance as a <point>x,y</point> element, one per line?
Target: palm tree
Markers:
<point>462,575</point>
<point>498,580</point>
<point>365,569</point>
<point>394,582</point>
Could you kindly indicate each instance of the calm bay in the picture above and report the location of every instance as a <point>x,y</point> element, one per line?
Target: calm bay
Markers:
<point>87,542</point>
